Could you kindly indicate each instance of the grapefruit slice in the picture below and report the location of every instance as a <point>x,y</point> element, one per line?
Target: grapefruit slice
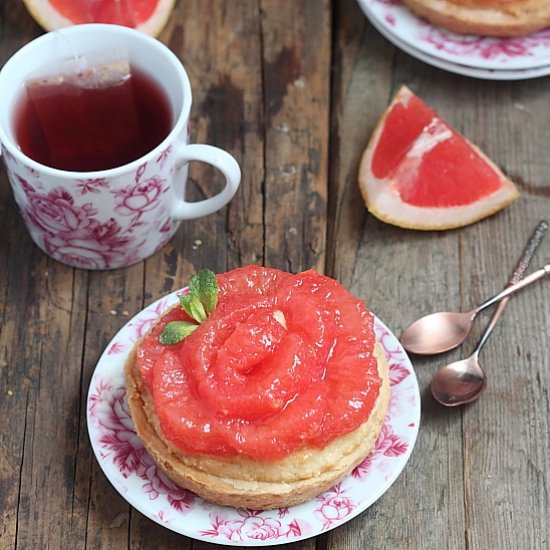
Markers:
<point>148,16</point>
<point>417,172</point>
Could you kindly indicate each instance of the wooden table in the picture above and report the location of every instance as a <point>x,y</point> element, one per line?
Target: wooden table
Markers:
<point>293,89</point>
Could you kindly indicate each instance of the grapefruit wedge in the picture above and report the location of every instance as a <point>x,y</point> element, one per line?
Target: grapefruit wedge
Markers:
<point>148,16</point>
<point>417,172</point>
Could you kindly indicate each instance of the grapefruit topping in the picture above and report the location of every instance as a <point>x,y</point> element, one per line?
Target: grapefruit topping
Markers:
<point>283,361</point>
<point>418,172</point>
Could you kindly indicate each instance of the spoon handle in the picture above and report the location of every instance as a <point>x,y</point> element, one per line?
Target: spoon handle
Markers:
<point>489,328</point>
<point>522,265</point>
<point>529,251</point>
<point>530,279</point>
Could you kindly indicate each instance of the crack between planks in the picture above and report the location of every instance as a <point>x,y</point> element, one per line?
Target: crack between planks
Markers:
<point>466,489</point>
<point>321,542</point>
<point>88,507</point>
<point>86,523</point>
<point>129,531</point>
<point>82,392</point>
<point>21,473</point>
<point>264,144</point>
<point>144,285</point>
<point>332,212</point>
<point>465,469</point>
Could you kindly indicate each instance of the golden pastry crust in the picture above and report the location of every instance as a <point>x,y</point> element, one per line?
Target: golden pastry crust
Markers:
<point>485,17</point>
<point>246,483</point>
<point>512,6</point>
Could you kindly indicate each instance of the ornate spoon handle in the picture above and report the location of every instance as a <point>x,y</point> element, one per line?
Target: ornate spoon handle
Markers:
<point>529,252</point>
<point>521,267</point>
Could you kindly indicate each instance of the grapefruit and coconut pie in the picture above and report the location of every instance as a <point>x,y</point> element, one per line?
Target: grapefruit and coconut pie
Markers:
<point>261,389</point>
<point>485,17</point>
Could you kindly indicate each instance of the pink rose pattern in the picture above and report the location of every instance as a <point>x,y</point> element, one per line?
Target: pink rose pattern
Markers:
<point>333,507</point>
<point>388,443</point>
<point>113,433</point>
<point>92,185</point>
<point>483,47</point>
<point>66,223</point>
<point>120,444</point>
<point>470,46</point>
<point>250,525</point>
<point>138,198</point>
<point>143,322</point>
<point>163,157</point>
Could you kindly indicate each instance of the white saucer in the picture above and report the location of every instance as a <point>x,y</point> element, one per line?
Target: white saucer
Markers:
<point>129,468</point>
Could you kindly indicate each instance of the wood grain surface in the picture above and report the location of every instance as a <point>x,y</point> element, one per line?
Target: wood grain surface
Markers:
<point>293,89</point>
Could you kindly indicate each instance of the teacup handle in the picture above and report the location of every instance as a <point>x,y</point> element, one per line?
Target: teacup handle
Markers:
<point>220,159</point>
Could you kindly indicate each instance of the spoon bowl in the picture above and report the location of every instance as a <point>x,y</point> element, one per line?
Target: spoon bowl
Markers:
<point>438,332</point>
<point>459,383</point>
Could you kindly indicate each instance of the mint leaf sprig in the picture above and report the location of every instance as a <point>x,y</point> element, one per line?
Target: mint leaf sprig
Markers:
<point>175,331</point>
<point>199,303</point>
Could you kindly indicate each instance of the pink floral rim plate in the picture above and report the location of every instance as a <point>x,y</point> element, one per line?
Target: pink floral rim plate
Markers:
<point>489,74</point>
<point>494,55</point>
<point>129,468</point>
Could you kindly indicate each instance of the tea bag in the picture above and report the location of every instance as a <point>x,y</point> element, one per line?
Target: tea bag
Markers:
<point>86,110</point>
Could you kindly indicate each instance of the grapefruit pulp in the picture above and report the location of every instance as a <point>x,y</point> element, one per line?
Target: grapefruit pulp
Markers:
<point>148,16</point>
<point>417,172</point>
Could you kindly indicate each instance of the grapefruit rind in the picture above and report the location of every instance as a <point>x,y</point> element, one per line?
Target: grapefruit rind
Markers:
<point>383,200</point>
<point>50,19</point>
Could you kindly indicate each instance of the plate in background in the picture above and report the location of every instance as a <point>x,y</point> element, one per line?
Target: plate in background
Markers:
<point>489,74</point>
<point>394,19</point>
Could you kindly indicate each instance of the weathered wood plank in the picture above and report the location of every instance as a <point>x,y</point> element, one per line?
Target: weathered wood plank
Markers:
<point>506,434</point>
<point>226,81</point>
<point>401,274</point>
<point>296,40</point>
<point>18,356</point>
<point>31,388</point>
<point>112,298</point>
<point>362,84</point>
<point>48,372</point>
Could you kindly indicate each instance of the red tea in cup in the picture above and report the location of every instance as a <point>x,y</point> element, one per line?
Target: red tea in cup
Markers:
<point>88,123</point>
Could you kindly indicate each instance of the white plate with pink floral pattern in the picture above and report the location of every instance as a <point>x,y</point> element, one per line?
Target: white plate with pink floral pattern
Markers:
<point>129,468</point>
<point>481,52</point>
<point>487,74</point>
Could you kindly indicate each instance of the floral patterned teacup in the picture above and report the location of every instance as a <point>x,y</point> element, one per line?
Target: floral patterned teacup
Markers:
<point>110,218</point>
